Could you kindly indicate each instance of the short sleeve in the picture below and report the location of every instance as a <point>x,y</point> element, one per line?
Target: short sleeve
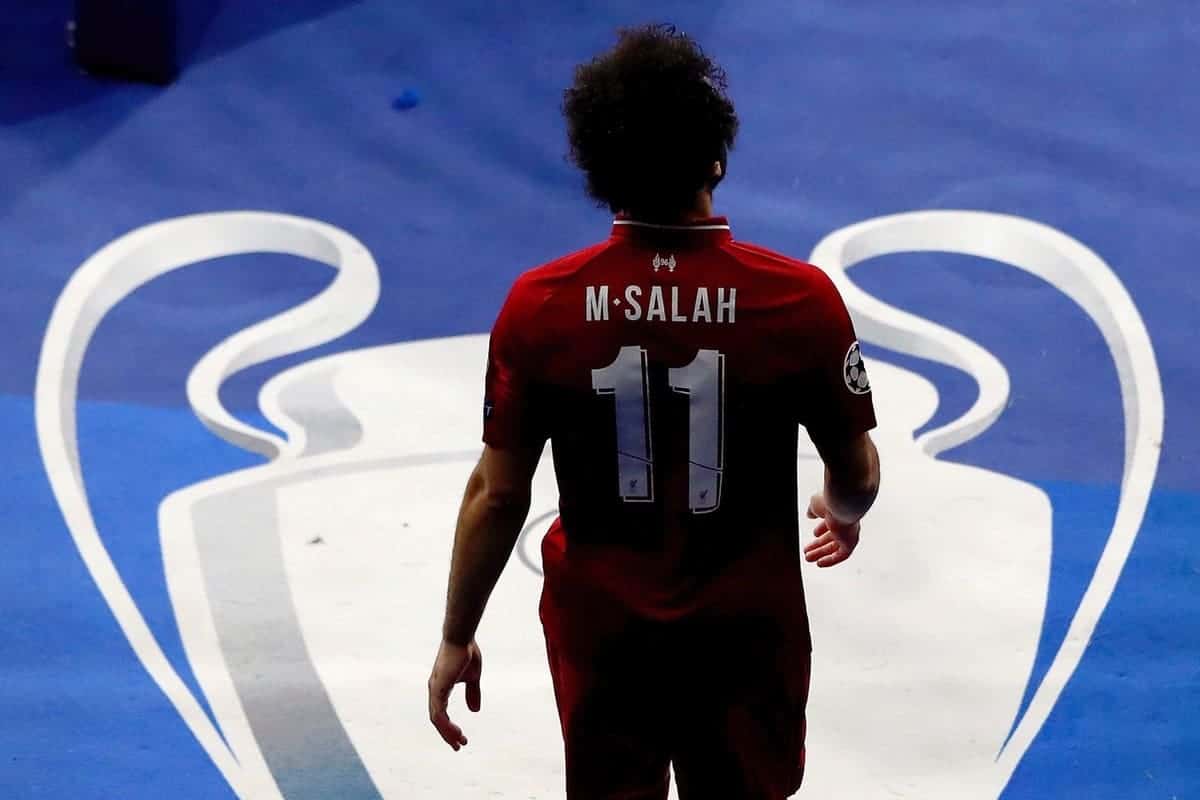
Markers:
<point>510,403</point>
<point>836,388</point>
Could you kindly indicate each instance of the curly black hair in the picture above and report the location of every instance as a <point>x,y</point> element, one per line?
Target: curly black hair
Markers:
<point>646,121</point>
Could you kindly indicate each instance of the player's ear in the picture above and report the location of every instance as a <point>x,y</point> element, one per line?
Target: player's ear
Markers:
<point>718,172</point>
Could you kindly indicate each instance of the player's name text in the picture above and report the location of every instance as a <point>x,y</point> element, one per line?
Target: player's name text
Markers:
<point>659,304</point>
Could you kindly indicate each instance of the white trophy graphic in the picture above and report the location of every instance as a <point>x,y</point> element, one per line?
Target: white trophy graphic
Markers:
<point>309,590</point>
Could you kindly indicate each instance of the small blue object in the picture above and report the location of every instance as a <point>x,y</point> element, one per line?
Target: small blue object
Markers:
<point>407,99</point>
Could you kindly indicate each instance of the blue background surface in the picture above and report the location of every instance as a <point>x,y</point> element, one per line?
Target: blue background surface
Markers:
<point>1075,114</point>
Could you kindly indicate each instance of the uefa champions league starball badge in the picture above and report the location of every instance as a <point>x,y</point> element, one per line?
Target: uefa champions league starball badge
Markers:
<point>854,371</point>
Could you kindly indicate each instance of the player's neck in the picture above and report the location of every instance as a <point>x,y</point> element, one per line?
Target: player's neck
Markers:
<point>702,209</point>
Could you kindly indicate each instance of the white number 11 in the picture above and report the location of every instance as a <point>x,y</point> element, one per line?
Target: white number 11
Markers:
<point>703,382</point>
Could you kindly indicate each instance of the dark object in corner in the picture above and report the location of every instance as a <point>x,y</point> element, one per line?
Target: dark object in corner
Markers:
<point>127,39</point>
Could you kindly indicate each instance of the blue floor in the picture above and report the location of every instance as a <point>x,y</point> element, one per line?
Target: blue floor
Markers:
<point>1078,115</point>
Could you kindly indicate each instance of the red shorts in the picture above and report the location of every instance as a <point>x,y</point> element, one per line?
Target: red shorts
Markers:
<point>719,696</point>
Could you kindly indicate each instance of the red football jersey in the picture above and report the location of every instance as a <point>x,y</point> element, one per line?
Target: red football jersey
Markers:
<point>670,368</point>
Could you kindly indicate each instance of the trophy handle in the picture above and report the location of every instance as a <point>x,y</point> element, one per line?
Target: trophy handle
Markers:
<point>1083,276</point>
<point>99,285</point>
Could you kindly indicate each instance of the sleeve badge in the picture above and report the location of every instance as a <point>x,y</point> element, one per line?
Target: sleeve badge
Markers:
<point>854,371</point>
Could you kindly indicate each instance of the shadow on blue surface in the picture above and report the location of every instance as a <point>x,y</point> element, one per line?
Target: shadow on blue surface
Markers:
<point>39,79</point>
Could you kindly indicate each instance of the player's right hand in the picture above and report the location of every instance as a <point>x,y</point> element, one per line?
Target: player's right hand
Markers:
<point>834,541</point>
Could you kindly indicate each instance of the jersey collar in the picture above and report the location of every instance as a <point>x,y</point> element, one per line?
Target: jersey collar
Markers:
<point>710,230</point>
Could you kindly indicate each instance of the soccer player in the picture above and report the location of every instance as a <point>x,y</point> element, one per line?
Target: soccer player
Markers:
<point>670,367</point>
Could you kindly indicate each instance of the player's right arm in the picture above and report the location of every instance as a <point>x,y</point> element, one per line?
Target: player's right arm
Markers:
<point>839,412</point>
<point>851,477</point>
<point>851,484</point>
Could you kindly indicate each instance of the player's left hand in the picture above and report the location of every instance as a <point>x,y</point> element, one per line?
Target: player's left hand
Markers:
<point>454,664</point>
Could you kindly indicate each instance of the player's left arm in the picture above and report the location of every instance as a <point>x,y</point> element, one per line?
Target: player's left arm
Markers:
<point>493,510</point>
